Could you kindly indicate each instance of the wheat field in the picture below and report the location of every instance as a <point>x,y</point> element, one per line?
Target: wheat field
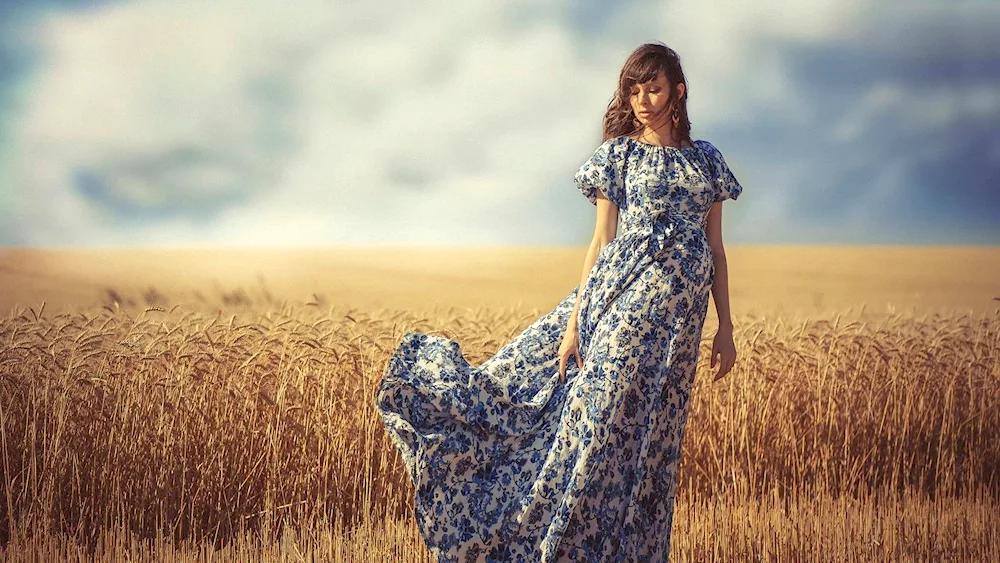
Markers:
<point>242,428</point>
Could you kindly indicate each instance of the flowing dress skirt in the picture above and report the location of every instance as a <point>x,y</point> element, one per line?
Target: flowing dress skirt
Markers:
<point>509,464</point>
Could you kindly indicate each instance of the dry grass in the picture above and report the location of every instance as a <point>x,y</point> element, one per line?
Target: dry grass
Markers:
<point>155,433</point>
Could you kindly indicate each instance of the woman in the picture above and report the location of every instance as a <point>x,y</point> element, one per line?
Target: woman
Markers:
<point>533,457</point>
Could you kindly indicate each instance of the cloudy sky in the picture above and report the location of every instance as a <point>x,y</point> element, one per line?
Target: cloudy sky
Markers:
<point>323,122</point>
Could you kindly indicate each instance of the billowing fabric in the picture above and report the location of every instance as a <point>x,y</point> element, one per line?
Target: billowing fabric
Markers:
<point>509,464</point>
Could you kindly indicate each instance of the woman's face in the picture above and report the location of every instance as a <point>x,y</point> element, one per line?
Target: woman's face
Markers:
<point>649,101</point>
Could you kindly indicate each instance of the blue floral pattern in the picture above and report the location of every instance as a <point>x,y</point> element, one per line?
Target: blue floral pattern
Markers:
<point>507,463</point>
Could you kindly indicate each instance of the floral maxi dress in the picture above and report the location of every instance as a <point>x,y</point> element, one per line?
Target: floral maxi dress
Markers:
<point>509,464</point>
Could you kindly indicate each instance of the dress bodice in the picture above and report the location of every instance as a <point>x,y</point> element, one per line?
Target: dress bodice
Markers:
<point>663,192</point>
<point>651,183</point>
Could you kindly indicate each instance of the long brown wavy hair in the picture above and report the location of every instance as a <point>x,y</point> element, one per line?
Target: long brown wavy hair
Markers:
<point>642,66</point>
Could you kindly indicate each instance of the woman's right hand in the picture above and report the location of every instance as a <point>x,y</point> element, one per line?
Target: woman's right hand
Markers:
<point>570,347</point>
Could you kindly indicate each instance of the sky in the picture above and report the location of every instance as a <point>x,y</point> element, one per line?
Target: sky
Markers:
<point>319,122</point>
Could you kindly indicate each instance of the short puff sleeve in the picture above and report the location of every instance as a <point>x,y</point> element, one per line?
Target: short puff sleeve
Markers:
<point>726,185</point>
<point>604,171</point>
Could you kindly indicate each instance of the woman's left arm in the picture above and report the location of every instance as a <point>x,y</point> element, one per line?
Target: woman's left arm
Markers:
<point>723,344</point>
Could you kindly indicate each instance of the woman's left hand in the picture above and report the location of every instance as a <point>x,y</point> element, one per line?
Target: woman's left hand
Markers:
<point>723,346</point>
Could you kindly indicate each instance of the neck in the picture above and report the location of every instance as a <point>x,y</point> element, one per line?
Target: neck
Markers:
<point>662,135</point>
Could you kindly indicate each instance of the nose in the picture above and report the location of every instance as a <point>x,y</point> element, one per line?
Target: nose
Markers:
<point>643,96</point>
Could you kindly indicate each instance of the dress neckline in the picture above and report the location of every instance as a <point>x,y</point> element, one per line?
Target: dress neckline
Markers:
<point>637,141</point>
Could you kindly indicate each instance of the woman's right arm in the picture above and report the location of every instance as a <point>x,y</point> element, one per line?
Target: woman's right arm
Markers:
<point>605,230</point>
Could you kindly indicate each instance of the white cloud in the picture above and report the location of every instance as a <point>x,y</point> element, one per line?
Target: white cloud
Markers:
<point>386,122</point>
<point>324,114</point>
<point>917,110</point>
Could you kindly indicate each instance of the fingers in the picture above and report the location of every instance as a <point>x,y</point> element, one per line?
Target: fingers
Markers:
<point>564,356</point>
<point>573,349</point>
<point>725,366</point>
